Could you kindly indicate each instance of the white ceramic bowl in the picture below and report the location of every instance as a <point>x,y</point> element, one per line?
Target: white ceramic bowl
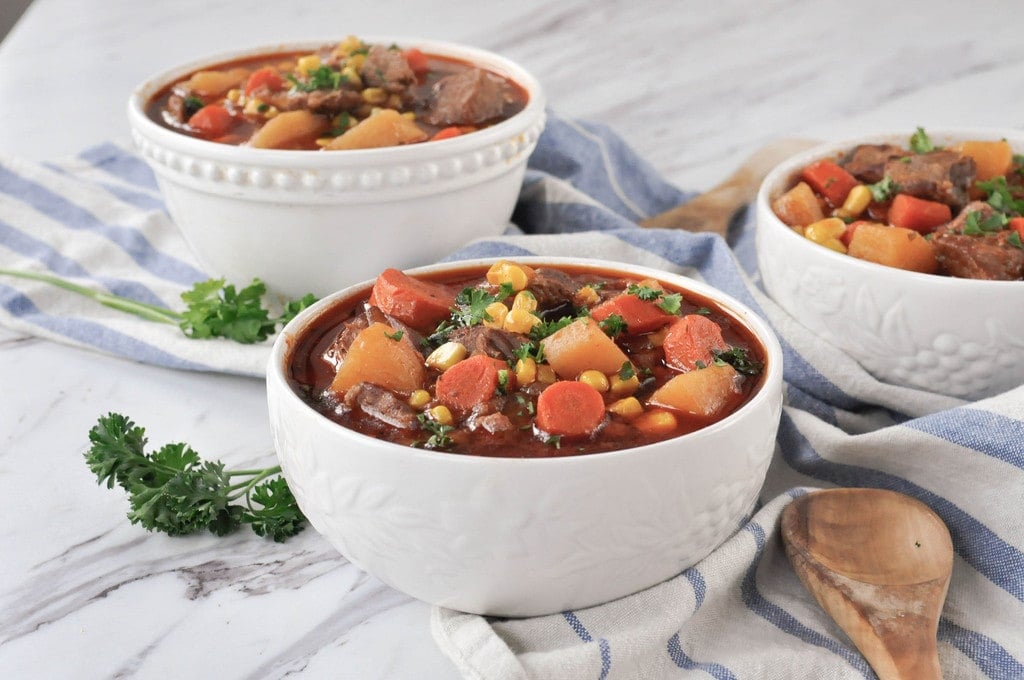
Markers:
<point>523,537</point>
<point>311,221</point>
<point>959,337</point>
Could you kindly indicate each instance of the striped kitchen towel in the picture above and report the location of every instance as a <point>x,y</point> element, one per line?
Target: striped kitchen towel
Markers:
<point>739,613</point>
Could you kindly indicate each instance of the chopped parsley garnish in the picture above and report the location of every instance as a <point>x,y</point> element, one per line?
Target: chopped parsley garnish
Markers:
<point>738,358</point>
<point>627,371</point>
<point>529,350</point>
<point>920,142</point>
<point>1014,240</point>
<point>554,440</point>
<point>546,328</point>
<point>471,304</point>
<point>976,225</point>
<point>703,311</point>
<point>883,189</point>
<point>645,293</point>
<point>671,303</point>
<point>503,381</point>
<point>439,434</point>
<point>526,405</point>
<point>1000,197</point>
<point>340,124</point>
<point>613,326</point>
<point>396,336</point>
<point>192,104</point>
<point>321,78</point>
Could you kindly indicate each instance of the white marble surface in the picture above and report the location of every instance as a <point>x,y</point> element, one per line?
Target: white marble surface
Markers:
<point>693,86</point>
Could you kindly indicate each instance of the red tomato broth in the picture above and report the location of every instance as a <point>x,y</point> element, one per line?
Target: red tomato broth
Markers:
<point>310,375</point>
<point>245,124</point>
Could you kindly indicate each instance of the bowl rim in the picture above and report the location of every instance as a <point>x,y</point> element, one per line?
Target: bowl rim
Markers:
<point>783,173</point>
<point>156,133</point>
<point>770,389</point>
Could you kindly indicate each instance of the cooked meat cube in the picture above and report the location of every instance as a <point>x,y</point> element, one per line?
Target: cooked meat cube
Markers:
<point>382,404</point>
<point>943,176</point>
<point>977,256</point>
<point>468,98</point>
<point>867,161</point>
<point>387,69</point>
<point>326,102</point>
<point>492,422</point>
<point>552,287</point>
<point>493,342</point>
<point>337,350</point>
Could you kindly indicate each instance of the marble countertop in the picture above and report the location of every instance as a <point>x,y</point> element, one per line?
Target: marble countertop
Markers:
<point>694,87</point>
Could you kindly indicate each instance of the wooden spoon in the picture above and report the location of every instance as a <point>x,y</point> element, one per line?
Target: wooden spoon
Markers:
<point>879,563</point>
<point>713,210</point>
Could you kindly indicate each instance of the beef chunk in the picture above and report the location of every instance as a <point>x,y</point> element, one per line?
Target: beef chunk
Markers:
<point>387,69</point>
<point>337,350</point>
<point>867,162</point>
<point>382,404</point>
<point>943,176</point>
<point>493,342</point>
<point>492,422</point>
<point>552,288</point>
<point>982,256</point>
<point>326,102</point>
<point>468,98</point>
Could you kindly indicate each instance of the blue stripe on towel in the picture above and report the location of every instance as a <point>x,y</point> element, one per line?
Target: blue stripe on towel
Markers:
<point>683,660</point>
<point>991,658</point>
<point>603,646</point>
<point>976,543</point>
<point>73,216</point>
<point>989,433</point>
<point>124,166</point>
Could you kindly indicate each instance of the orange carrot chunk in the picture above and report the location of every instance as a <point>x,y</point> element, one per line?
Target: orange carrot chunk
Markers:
<point>829,180</point>
<point>447,133</point>
<point>690,340</point>
<point>268,76</point>
<point>641,316</point>
<point>213,120</point>
<point>470,382</point>
<point>569,408</point>
<point>421,304</point>
<point>911,212</point>
<point>1017,224</point>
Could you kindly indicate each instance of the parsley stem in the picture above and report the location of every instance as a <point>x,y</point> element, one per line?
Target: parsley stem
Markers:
<point>140,309</point>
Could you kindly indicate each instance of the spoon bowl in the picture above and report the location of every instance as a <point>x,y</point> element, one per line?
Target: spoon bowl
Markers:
<point>879,562</point>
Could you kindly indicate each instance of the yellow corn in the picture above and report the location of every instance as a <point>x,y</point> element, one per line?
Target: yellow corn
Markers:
<point>623,387</point>
<point>234,95</point>
<point>657,421</point>
<point>826,232</point>
<point>504,271</point>
<point>629,407</point>
<point>374,95</point>
<point>652,283</point>
<point>394,101</point>
<point>587,297</point>
<point>252,106</point>
<point>520,321</point>
<point>419,398</point>
<point>546,374</point>
<point>447,355</point>
<point>351,76</point>
<point>594,378</point>
<point>349,45</point>
<point>526,371</point>
<point>524,299</point>
<point>441,414</point>
<point>270,112</point>
<point>857,200</point>
<point>411,115</point>
<point>307,64</point>
<point>498,313</point>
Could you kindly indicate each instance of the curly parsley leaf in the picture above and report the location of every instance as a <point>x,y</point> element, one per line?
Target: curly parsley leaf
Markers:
<point>976,225</point>
<point>175,492</point>
<point>644,292</point>
<point>613,325</point>
<point>920,142</point>
<point>1000,197</point>
<point>671,303</point>
<point>471,304</point>
<point>546,328</point>
<point>440,435</point>
<point>883,189</point>
<point>739,359</point>
<point>320,78</point>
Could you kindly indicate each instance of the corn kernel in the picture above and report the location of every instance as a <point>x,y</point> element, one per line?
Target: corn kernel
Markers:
<point>520,321</point>
<point>324,141</point>
<point>394,101</point>
<point>594,378</point>
<point>657,421</point>
<point>826,232</point>
<point>308,64</point>
<point>419,398</point>
<point>498,313</point>
<point>630,407</point>
<point>234,95</point>
<point>504,271</point>
<point>411,115</point>
<point>447,355</point>
<point>546,374</point>
<point>270,112</point>
<point>524,299</point>
<point>857,200</point>
<point>374,95</point>
<point>526,371</point>
<point>587,297</point>
<point>623,387</point>
<point>349,45</point>
<point>441,414</point>
<point>252,106</point>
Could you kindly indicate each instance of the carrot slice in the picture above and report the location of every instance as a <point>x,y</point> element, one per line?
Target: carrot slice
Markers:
<point>690,340</point>
<point>268,76</point>
<point>421,304</point>
<point>213,120</point>
<point>470,382</point>
<point>417,60</point>
<point>1017,224</point>
<point>641,316</point>
<point>569,408</point>
<point>830,180</point>
<point>911,212</point>
<point>447,133</point>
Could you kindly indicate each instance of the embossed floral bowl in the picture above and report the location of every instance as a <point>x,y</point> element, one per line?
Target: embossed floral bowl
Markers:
<point>523,537</point>
<point>315,221</point>
<point>958,337</point>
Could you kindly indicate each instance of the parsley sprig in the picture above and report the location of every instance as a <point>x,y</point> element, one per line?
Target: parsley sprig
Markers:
<point>173,491</point>
<point>883,189</point>
<point>215,308</point>
<point>739,359</point>
<point>320,78</point>
<point>670,303</point>
<point>920,142</point>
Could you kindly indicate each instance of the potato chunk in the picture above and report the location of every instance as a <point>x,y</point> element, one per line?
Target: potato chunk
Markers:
<point>582,346</point>
<point>798,207</point>
<point>217,83</point>
<point>705,392</point>
<point>387,127</point>
<point>377,357</point>
<point>893,247</point>
<point>285,129</point>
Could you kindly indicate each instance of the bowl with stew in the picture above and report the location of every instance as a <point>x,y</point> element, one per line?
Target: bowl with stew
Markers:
<point>905,251</point>
<point>516,438</point>
<point>315,165</point>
